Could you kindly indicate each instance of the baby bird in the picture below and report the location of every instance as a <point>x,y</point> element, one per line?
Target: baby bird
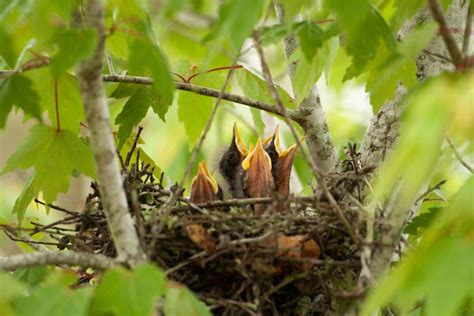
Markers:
<point>204,189</point>
<point>230,164</point>
<point>257,178</point>
<point>282,161</point>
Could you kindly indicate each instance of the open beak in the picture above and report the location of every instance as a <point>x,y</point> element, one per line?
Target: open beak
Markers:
<point>282,161</point>
<point>283,171</point>
<point>204,187</point>
<point>258,179</point>
<point>273,141</point>
<point>237,140</point>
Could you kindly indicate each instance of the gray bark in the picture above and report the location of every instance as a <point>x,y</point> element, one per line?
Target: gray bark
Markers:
<point>72,258</point>
<point>114,200</point>
<point>310,114</point>
<point>383,131</point>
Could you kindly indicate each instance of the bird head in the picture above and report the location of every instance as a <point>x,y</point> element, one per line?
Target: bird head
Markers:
<point>204,187</point>
<point>257,167</point>
<point>282,161</point>
<point>230,163</point>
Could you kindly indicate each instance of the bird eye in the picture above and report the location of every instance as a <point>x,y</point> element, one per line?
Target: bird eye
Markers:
<point>233,157</point>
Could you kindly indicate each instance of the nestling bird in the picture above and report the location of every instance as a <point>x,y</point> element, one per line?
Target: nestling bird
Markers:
<point>257,178</point>
<point>204,189</point>
<point>282,161</point>
<point>230,164</point>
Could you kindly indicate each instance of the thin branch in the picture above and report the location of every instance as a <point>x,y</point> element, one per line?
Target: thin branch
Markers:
<point>445,32</point>
<point>56,105</point>
<point>429,190</point>
<point>115,204</point>
<point>202,91</point>
<point>134,145</point>
<point>458,155</point>
<point>167,207</point>
<point>29,65</point>
<point>81,259</point>
<point>318,173</point>
<point>467,31</point>
<point>205,91</point>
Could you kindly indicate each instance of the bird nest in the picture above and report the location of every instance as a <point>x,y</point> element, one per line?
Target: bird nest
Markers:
<point>294,261</point>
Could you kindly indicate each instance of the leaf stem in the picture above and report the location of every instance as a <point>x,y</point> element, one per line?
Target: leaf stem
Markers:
<point>56,106</point>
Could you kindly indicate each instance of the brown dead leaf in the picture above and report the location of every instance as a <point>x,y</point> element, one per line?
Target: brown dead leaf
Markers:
<point>201,237</point>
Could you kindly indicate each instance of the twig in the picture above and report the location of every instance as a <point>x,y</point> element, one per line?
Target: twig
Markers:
<point>167,207</point>
<point>110,64</point>
<point>248,201</point>
<point>458,155</point>
<point>28,241</point>
<point>134,145</point>
<point>429,190</point>
<point>58,208</point>
<point>240,99</point>
<point>56,105</point>
<point>318,173</point>
<point>202,91</point>
<point>81,259</point>
<point>467,31</point>
<point>451,45</point>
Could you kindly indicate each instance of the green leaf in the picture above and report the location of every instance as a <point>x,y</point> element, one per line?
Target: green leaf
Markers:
<point>356,18</point>
<point>273,33</point>
<point>405,9</point>
<point>7,50</point>
<point>54,155</point>
<point>17,91</point>
<point>257,120</point>
<point>419,276</point>
<point>136,108</point>
<point>255,87</point>
<point>411,163</point>
<point>193,111</point>
<point>10,288</point>
<point>45,17</point>
<point>122,292</point>
<point>71,109</point>
<point>26,196</point>
<point>32,276</point>
<point>54,300</point>
<point>311,38</point>
<point>307,74</point>
<point>422,221</point>
<point>383,79</point>
<point>73,46</point>
<point>180,301</point>
<point>145,58</point>
<point>236,20</point>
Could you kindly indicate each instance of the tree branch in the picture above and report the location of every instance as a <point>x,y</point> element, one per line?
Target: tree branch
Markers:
<point>383,132</point>
<point>270,108</point>
<point>310,114</point>
<point>114,200</point>
<point>451,45</point>
<point>81,259</point>
<point>315,169</point>
<point>467,31</point>
<point>458,155</point>
<point>203,91</point>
